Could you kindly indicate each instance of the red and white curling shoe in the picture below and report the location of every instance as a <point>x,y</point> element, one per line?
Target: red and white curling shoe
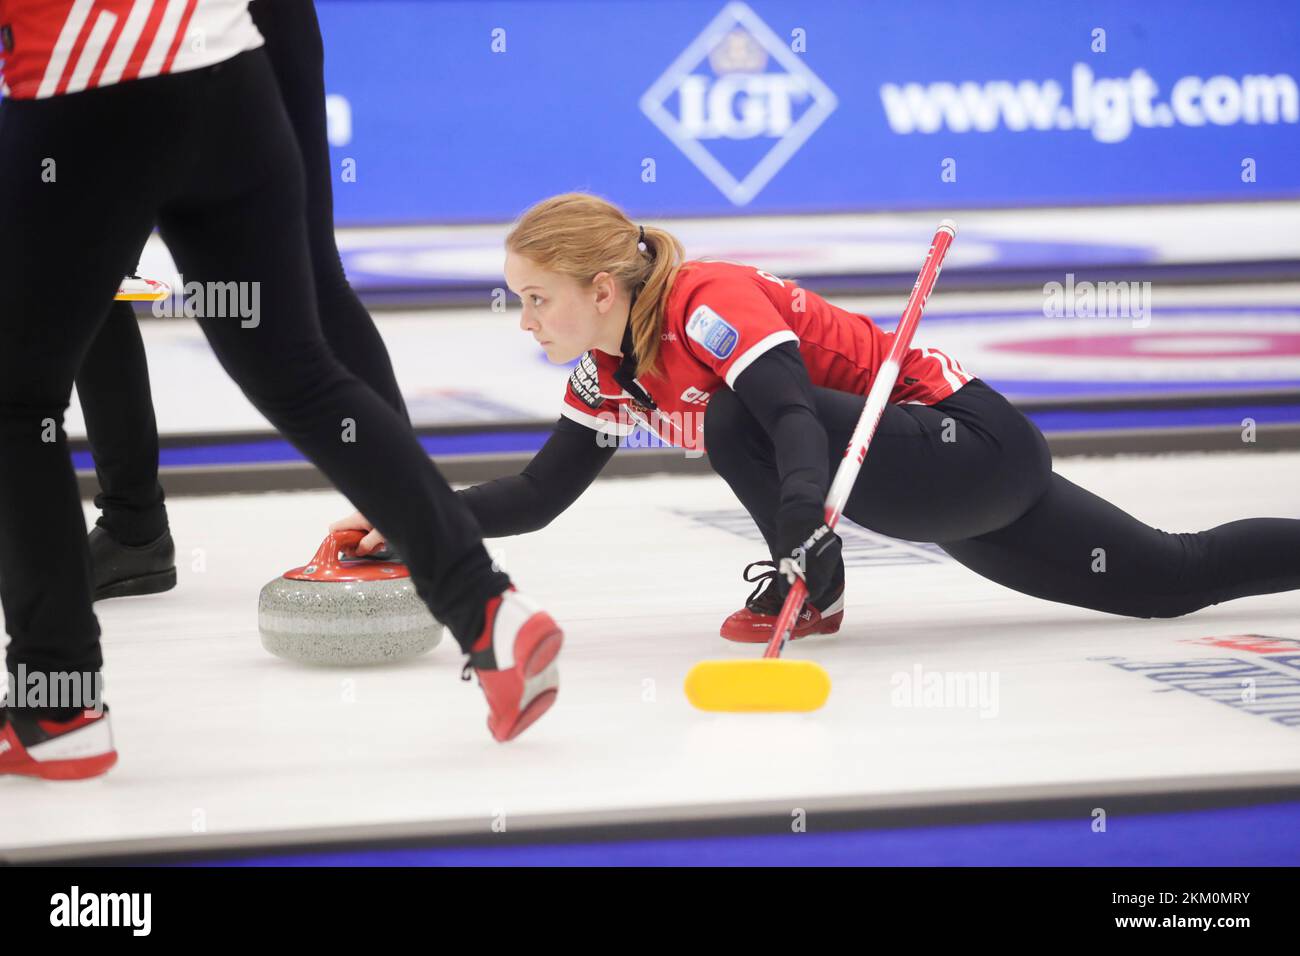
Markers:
<point>515,661</point>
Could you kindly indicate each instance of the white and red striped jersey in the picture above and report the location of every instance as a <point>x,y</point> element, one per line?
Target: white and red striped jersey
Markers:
<point>55,47</point>
<point>719,318</point>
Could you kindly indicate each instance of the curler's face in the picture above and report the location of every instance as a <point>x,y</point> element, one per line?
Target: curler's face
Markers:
<point>566,317</point>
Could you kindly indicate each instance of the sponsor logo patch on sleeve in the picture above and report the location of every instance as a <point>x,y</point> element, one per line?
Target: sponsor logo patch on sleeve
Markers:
<point>712,331</point>
<point>585,381</point>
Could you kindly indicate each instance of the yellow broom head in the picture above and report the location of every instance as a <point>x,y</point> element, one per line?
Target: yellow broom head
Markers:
<point>768,684</point>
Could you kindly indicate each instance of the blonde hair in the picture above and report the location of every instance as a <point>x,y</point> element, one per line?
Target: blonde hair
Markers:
<point>579,235</point>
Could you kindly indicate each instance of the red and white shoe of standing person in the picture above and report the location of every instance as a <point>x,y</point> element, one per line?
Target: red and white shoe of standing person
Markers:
<point>515,661</point>
<point>72,749</point>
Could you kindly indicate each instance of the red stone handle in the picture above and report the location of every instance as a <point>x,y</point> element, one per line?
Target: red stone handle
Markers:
<point>337,543</point>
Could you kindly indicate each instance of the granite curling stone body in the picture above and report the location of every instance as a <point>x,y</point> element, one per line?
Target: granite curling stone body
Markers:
<point>342,609</point>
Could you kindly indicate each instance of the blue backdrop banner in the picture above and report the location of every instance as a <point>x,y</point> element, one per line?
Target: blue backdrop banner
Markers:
<point>470,111</point>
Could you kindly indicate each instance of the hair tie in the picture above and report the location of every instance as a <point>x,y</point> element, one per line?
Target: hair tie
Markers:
<point>640,243</point>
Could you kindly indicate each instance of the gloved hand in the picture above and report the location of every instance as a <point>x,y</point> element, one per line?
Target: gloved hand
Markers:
<point>811,552</point>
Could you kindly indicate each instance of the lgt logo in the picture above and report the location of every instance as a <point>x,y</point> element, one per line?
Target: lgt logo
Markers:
<point>738,81</point>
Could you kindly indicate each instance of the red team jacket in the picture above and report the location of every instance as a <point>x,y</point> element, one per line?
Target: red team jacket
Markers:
<point>53,47</point>
<point>720,317</point>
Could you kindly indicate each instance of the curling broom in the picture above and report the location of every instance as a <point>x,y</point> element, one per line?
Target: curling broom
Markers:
<point>771,683</point>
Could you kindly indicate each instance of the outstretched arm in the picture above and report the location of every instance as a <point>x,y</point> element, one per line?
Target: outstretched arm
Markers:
<point>559,473</point>
<point>562,469</point>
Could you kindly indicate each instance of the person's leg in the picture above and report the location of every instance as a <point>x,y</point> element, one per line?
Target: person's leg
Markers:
<point>113,387</point>
<point>961,467</point>
<point>1075,548</point>
<point>964,466</point>
<point>73,218</point>
<point>996,507</point>
<point>113,383</point>
<point>239,219</point>
<point>974,475</point>
<point>293,43</point>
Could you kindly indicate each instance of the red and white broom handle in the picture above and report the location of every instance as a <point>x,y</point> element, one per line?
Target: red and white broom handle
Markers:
<point>877,398</point>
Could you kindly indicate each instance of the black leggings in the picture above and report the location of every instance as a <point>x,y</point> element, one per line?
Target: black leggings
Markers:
<point>225,186</point>
<point>117,404</point>
<point>974,475</point>
<point>113,384</point>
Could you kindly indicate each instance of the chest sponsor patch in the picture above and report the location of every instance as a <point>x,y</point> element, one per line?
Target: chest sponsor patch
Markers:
<point>585,381</point>
<point>712,331</point>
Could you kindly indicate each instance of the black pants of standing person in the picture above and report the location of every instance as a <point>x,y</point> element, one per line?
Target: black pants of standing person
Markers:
<point>974,475</point>
<point>225,186</point>
<point>113,384</point>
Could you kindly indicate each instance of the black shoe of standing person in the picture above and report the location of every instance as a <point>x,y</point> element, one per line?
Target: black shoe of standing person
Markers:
<point>123,570</point>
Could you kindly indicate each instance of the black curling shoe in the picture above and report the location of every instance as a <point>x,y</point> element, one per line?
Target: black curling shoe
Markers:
<point>123,570</point>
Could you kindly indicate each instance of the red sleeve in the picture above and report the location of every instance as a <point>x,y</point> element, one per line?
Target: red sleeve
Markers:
<point>729,323</point>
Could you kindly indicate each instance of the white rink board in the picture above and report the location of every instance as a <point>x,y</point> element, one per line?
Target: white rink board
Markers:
<point>464,365</point>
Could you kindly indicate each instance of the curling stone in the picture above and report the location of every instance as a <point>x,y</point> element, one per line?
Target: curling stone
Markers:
<point>344,609</point>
